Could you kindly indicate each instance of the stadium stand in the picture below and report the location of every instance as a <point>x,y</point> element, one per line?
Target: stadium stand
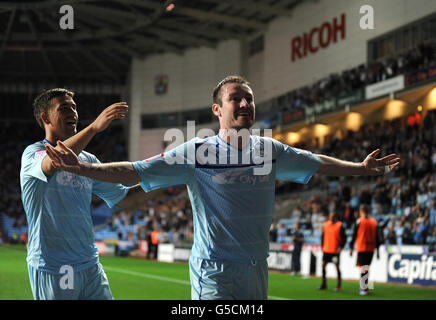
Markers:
<point>405,207</point>
<point>276,111</point>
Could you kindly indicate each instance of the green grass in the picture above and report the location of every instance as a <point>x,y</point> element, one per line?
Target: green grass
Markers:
<point>137,279</point>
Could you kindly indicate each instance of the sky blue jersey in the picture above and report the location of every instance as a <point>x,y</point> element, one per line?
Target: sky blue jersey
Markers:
<point>232,191</point>
<point>58,211</point>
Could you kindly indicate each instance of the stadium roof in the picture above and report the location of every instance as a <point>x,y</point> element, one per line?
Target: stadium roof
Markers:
<point>107,34</point>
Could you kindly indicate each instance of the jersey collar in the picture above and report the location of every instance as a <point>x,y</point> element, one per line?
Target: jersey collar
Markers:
<point>46,141</point>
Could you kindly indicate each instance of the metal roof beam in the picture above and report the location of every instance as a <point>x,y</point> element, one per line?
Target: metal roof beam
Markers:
<point>114,44</point>
<point>200,14</point>
<point>146,4</point>
<point>36,5</point>
<point>41,46</point>
<point>81,48</point>
<point>181,38</point>
<point>256,6</point>
<point>231,20</point>
<point>106,12</point>
<point>160,45</point>
<point>200,29</point>
<point>72,60</point>
<point>7,33</point>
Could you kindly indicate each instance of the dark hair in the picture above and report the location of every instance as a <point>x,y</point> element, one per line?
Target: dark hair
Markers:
<point>228,79</point>
<point>334,215</point>
<point>42,102</point>
<point>364,208</point>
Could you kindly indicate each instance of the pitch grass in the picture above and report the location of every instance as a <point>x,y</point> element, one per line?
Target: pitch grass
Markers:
<point>137,279</point>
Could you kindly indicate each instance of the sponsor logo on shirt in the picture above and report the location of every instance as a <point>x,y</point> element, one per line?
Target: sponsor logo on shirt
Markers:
<point>243,176</point>
<point>64,178</point>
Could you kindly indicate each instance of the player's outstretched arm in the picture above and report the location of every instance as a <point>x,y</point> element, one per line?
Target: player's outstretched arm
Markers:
<point>115,172</point>
<point>368,167</point>
<point>79,141</point>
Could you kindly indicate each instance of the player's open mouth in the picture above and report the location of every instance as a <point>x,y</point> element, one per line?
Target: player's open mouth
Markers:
<point>71,123</point>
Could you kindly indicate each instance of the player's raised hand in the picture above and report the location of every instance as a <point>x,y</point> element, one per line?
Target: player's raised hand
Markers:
<point>63,159</point>
<point>376,167</point>
<point>114,111</point>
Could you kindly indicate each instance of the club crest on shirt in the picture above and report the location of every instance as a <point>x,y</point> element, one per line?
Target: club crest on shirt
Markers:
<point>38,154</point>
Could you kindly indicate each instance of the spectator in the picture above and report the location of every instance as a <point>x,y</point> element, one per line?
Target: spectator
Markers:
<point>420,230</point>
<point>391,236</point>
<point>273,232</point>
<point>297,239</point>
<point>282,232</point>
<point>432,241</point>
<point>407,236</point>
<point>432,213</point>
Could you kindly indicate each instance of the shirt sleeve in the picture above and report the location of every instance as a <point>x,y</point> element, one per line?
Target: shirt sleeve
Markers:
<point>166,169</point>
<point>295,164</point>
<point>111,193</point>
<point>31,162</point>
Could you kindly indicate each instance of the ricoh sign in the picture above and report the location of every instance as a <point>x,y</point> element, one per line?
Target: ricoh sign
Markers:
<point>318,38</point>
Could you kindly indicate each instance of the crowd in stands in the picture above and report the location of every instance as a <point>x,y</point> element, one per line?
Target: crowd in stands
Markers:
<point>340,84</point>
<point>170,215</point>
<point>404,202</point>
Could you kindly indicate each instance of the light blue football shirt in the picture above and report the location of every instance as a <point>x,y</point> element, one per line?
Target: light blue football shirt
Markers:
<point>232,206</point>
<point>58,211</point>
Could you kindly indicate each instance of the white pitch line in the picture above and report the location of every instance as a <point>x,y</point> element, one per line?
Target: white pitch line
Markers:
<point>146,275</point>
<point>279,298</point>
<point>152,276</point>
